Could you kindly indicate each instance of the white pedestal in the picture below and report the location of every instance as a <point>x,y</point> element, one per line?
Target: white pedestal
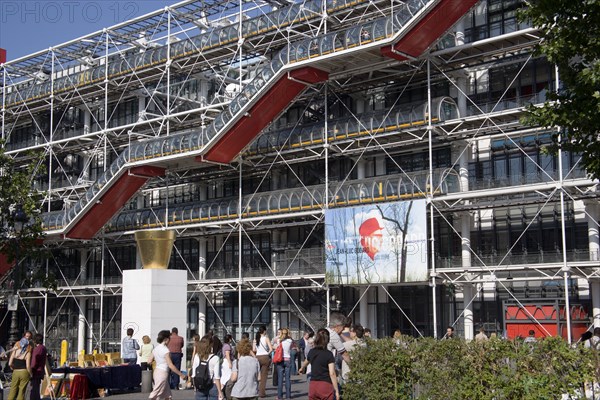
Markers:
<point>154,300</point>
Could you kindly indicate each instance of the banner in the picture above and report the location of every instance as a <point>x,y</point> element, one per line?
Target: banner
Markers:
<point>380,243</point>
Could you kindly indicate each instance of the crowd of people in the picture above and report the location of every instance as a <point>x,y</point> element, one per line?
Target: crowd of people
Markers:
<point>223,370</point>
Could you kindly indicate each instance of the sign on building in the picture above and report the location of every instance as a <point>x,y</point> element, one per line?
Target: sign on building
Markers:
<point>379,243</point>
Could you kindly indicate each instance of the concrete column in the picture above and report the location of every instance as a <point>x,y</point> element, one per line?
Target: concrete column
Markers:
<point>202,257</point>
<point>81,321</point>
<point>141,108</point>
<point>380,167</point>
<point>383,300</point>
<point>204,85</point>
<point>201,314</point>
<point>591,209</point>
<point>275,244</point>
<point>361,168</point>
<point>459,32</point>
<point>360,105</point>
<point>85,174</point>
<point>90,338</point>
<point>465,233</point>
<point>202,251</point>
<point>274,313</point>
<point>468,292</point>
<point>364,307</point>
<point>463,167</point>
<point>87,121</point>
<point>461,98</point>
<point>275,180</point>
<point>461,81</point>
<point>203,191</point>
<point>595,289</point>
<point>372,314</point>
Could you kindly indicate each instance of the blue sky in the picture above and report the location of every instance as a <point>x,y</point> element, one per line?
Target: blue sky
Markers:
<point>27,26</point>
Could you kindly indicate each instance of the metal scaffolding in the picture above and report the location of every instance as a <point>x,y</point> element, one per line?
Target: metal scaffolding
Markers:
<point>230,121</point>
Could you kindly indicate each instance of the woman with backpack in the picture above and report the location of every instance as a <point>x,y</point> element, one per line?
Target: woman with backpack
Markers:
<point>263,349</point>
<point>162,356</point>
<point>284,367</point>
<point>206,371</point>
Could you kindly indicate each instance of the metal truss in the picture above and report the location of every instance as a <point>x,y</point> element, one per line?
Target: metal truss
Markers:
<point>162,106</point>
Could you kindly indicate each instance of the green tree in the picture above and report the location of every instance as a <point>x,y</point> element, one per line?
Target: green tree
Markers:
<point>16,185</point>
<point>570,33</point>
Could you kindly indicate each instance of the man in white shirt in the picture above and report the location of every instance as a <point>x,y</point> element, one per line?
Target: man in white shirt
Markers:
<point>337,322</point>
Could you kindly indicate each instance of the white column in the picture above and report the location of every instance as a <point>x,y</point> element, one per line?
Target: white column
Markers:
<point>465,232</point>
<point>201,314</point>
<point>204,87</point>
<point>463,166</point>
<point>468,292</point>
<point>274,314</point>
<point>141,108</point>
<point>364,307</point>
<point>201,297</point>
<point>361,168</point>
<point>459,32</point>
<point>201,257</point>
<point>85,174</point>
<point>275,244</point>
<point>87,121</point>
<point>591,210</point>
<point>81,321</point>
<point>595,289</point>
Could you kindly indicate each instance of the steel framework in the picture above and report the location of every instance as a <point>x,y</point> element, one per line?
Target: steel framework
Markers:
<point>151,124</point>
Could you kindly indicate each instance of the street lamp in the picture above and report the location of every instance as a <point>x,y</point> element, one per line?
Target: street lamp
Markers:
<point>20,218</point>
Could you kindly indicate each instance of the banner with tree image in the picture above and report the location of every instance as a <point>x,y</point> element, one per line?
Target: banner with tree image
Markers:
<point>379,243</point>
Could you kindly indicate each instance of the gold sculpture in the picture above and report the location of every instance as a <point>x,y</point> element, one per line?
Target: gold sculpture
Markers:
<point>155,248</point>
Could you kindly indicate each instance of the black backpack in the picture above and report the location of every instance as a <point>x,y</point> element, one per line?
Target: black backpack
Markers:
<point>203,378</point>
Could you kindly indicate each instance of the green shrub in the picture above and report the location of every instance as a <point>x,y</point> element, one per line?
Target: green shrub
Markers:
<point>459,370</point>
<point>380,370</point>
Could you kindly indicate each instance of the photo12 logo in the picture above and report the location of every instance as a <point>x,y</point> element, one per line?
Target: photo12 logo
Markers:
<point>67,11</point>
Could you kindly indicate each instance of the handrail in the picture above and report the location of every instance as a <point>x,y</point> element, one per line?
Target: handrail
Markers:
<point>356,192</point>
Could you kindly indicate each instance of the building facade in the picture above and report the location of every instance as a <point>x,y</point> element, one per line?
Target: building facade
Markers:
<point>245,128</point>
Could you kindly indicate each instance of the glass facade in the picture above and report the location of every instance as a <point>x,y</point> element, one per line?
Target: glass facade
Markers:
<point>379,130</point>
